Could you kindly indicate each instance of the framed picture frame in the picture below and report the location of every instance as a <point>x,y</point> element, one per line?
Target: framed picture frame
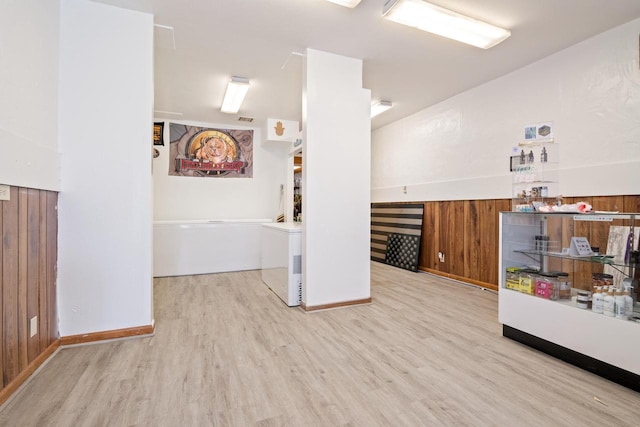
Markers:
<point>158,133</point>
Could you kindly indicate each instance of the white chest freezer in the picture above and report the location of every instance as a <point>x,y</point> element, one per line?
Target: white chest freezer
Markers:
<point>282,260</point>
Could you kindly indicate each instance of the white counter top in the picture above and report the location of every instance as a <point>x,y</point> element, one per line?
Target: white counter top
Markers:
<point>291,227</point>
<point>210,221</point>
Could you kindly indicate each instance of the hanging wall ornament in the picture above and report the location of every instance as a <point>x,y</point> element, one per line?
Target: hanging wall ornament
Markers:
<point>158,133</point>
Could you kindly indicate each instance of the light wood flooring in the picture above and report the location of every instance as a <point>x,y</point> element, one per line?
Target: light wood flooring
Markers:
<point>228,352</point>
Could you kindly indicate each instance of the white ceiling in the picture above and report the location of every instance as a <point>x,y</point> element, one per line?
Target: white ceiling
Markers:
<point>217,39</point>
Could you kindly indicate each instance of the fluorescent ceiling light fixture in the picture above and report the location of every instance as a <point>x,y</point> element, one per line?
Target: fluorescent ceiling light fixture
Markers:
<point>444,22</point>
<point>380,107</point>
<point>348,3</point>
<point>236,91</point>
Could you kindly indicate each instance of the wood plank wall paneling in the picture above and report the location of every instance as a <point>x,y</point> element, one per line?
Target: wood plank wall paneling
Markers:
<point>23,268</point>
<point>467,232</point>
<point>488,247</point>
<point>430,236</point>
<point>631,204</point>
<point>10,286</point>
<point>43,321</point>
<point>52,265</point>
<point>33,273</point>
<point>28,257</point>
<point>454,224</point>
<point>471,233</point>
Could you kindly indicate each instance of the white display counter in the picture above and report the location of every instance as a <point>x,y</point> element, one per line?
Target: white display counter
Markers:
<point>604,345</point>
<point>206,246</point>
<point>282,260</point>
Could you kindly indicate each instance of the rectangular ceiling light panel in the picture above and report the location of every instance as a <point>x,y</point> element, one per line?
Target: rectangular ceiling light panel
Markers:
<point>234,96</point>
<point>444,22</point>
<point>347,3</point>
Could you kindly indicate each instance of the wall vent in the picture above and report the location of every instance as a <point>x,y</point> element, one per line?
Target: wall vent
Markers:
<point>245,119</point>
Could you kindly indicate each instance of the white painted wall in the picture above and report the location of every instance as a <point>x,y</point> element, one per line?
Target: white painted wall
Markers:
<point>188,198</point>
<point>459,149</point>
<point>29,93</point>
<point>105,206</point>
<point>336,180</point>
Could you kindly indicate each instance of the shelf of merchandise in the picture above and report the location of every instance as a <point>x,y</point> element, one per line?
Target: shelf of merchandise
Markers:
<point>534,177</point>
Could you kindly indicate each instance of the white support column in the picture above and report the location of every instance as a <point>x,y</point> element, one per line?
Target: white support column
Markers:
<point>336,181</point>
<point>105,206</point>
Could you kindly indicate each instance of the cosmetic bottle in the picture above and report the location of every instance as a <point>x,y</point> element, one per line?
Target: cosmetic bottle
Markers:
<point>620,305</point>
<point>597,300</point>
<point>628,304</point>
<point>609,306</point>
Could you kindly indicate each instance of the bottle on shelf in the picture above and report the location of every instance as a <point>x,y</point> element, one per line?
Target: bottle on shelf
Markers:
<point>543,155</point>
<point>609,306</point>
<point>597,300</point>
<point>628,304</point>
<point>620,305</point>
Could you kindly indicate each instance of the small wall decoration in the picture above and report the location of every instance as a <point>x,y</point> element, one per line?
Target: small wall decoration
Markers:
<point>158,133</point>
<point>402,220</point>
<point>541,132</point>
<point>206,152</point>
<point>279,129</point>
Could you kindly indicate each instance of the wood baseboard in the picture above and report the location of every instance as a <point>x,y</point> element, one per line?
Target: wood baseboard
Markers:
<point>335,304</point>
<point>460,279</point>
<point>106,335</point>
<point>11,388</point>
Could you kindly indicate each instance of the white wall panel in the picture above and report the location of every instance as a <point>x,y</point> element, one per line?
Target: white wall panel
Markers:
<point>459,148</point>
<point>29,40</point>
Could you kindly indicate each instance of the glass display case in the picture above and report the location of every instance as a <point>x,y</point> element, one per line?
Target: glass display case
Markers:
<point>568,286</point>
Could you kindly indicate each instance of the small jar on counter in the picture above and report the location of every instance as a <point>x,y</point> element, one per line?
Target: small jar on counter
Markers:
<point>584,300</point>
<point>564,285</point>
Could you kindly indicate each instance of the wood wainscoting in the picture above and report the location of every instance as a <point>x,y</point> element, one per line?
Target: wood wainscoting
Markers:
<point>28,257</point>
<point>466,232</point>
